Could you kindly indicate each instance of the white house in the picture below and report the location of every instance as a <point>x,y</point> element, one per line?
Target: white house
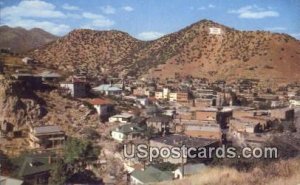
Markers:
<point>108,89</point>
<point>127,132</point>
<point>122,118</point>
<point>173,97</point>
<point>164,94</point>
<point>295,102</point>
<point>75,89</point>
<point>118,135</point>
<point>103,107</point>
<point>276,103</point>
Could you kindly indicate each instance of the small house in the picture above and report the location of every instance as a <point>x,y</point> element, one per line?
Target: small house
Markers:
<point>181,97</point>
<point>75,89</point>
<point>195,128</point>
<point>103,107</point>
<point>108,89</point>
<point>122,118</point>
<point>150,175</point>
<point>35,169</point>
<point>46,136</point>
<point>128,132</point>
<point>295,102</point>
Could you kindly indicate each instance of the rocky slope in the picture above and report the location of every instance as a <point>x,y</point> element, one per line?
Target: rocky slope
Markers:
<point>20,40</point>
<point>18,106</point>
<point>21,106</point>
<point>190,51</point>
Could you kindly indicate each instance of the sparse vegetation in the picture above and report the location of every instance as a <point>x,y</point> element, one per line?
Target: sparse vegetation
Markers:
<point>191,48</point>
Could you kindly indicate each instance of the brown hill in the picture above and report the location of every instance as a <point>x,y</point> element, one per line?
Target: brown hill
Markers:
<point>88,50</point>
<point>21,40</point>
<point>190,51</point>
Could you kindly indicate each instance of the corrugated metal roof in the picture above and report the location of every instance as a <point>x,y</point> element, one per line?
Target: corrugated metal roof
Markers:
<point>47,129</point>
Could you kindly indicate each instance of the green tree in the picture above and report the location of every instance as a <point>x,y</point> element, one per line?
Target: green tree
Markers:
<point>59,173</point>
<point>80,150</point>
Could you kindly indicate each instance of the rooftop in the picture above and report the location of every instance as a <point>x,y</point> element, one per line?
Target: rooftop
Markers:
<point>49,74</point>
<point>123,115</point>
<point>99,101</point>
<point>47,129</point>
<point>152,175</point>
<point>196,122</point>
<point>214,109</point>
<point>180,140</point>
<point>107,87</point>
<point>203,127</point>
<point>33,164</point>
<point>130,128</point>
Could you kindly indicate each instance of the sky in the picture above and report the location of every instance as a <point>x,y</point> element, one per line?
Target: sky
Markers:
<point>150,19</point>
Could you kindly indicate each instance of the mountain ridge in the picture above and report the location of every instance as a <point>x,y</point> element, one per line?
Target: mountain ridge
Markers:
<point>21,40</point>
<point>189,51</point>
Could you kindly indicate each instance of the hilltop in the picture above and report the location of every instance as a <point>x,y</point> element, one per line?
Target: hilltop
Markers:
<point>89,50</point>
<point>21,40</point>
<point>191,51</point>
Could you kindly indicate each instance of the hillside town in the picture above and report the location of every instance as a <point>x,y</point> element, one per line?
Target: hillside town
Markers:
<point>181,111</point>
<point>135,92</point>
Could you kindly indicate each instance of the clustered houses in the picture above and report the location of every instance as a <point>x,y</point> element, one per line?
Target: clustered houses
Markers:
<point>195,113</point>
<point>191,112</point>
<point>172,96</point>
<point>201,114</point>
